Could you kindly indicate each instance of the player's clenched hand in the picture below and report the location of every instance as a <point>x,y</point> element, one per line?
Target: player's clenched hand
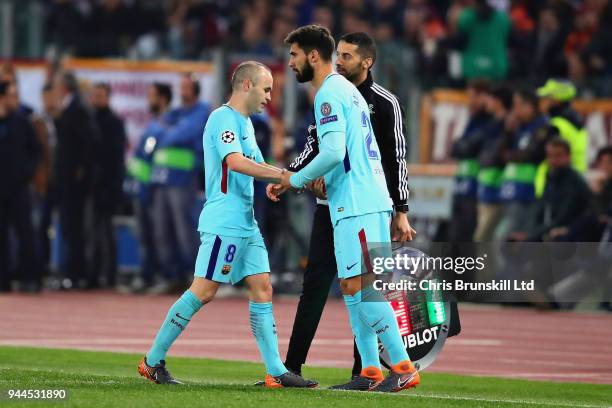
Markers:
<point>401,230</point>
<point>271,192</point>
<point>318,188</point>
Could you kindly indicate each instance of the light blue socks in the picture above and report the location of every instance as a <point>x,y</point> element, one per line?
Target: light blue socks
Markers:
<point>264,330</point>
<point>378,314</point>
<point>365,337</point>
<point>176,321</point>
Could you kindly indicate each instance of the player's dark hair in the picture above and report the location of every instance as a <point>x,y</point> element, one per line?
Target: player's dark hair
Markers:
<point>164,90</point>
<point>561,143</point>
<point>604,151</point>
<point>366,47</point>
<point>195,83</point>
<point>313,37</point>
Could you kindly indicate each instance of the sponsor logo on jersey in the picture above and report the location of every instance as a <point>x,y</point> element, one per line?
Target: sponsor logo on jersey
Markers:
<point>328,119</point>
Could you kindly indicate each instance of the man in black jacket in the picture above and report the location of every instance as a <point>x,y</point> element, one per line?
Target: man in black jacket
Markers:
<point>566,195</point>
<point>356,55</point>
<point>19,156</point>
<point>108,173</point>
<point>76,135</point>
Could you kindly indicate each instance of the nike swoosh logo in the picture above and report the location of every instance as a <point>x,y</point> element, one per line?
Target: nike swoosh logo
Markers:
<point>181,317</point>
<point>402,383</point>
<point>377,322</point>
<point>245,138</point>
<point>348,268</point>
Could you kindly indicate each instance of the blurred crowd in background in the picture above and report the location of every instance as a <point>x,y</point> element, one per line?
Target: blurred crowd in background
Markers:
<point>521,177</point>
<point>521,159</point>
<point>497,38</point>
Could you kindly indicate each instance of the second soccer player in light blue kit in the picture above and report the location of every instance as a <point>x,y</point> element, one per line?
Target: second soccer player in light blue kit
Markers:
<point>359,205</point>
<point>232,248</point>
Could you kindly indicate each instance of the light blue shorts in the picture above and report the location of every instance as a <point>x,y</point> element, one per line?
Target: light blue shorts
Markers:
<point>359,240</point>
<point>226,259</point>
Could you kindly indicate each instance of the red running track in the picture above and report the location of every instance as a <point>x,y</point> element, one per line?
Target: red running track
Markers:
<point>503,342</point>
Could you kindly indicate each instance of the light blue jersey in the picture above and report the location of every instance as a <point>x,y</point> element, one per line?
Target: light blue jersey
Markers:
<point>228,209</point>
<point>357,185</point>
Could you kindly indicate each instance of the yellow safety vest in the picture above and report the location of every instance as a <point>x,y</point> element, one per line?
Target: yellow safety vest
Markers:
<point>578,140</point>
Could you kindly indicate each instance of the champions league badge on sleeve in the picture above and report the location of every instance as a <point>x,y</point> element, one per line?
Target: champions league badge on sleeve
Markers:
<point>228,136</point>
<point>423,316</point>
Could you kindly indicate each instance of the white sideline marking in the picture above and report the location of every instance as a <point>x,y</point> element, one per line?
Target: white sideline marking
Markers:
<point>400,395</point>
<point>502,401</point>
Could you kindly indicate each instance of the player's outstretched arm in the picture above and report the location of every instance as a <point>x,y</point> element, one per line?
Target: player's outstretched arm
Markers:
<point>332,150</point>
<point>264,172</point>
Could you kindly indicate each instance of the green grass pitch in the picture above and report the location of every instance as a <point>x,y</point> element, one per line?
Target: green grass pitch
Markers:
<point>96,379</point>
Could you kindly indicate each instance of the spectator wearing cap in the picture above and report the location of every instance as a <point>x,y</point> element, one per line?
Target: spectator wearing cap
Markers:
<point>556,97</point>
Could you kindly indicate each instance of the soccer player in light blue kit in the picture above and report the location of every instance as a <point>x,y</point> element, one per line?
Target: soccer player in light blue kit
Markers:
<point>232,248</point>
<point>359,205</point>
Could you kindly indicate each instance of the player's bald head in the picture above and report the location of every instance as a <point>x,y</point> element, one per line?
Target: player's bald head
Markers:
<point>248,70</point>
